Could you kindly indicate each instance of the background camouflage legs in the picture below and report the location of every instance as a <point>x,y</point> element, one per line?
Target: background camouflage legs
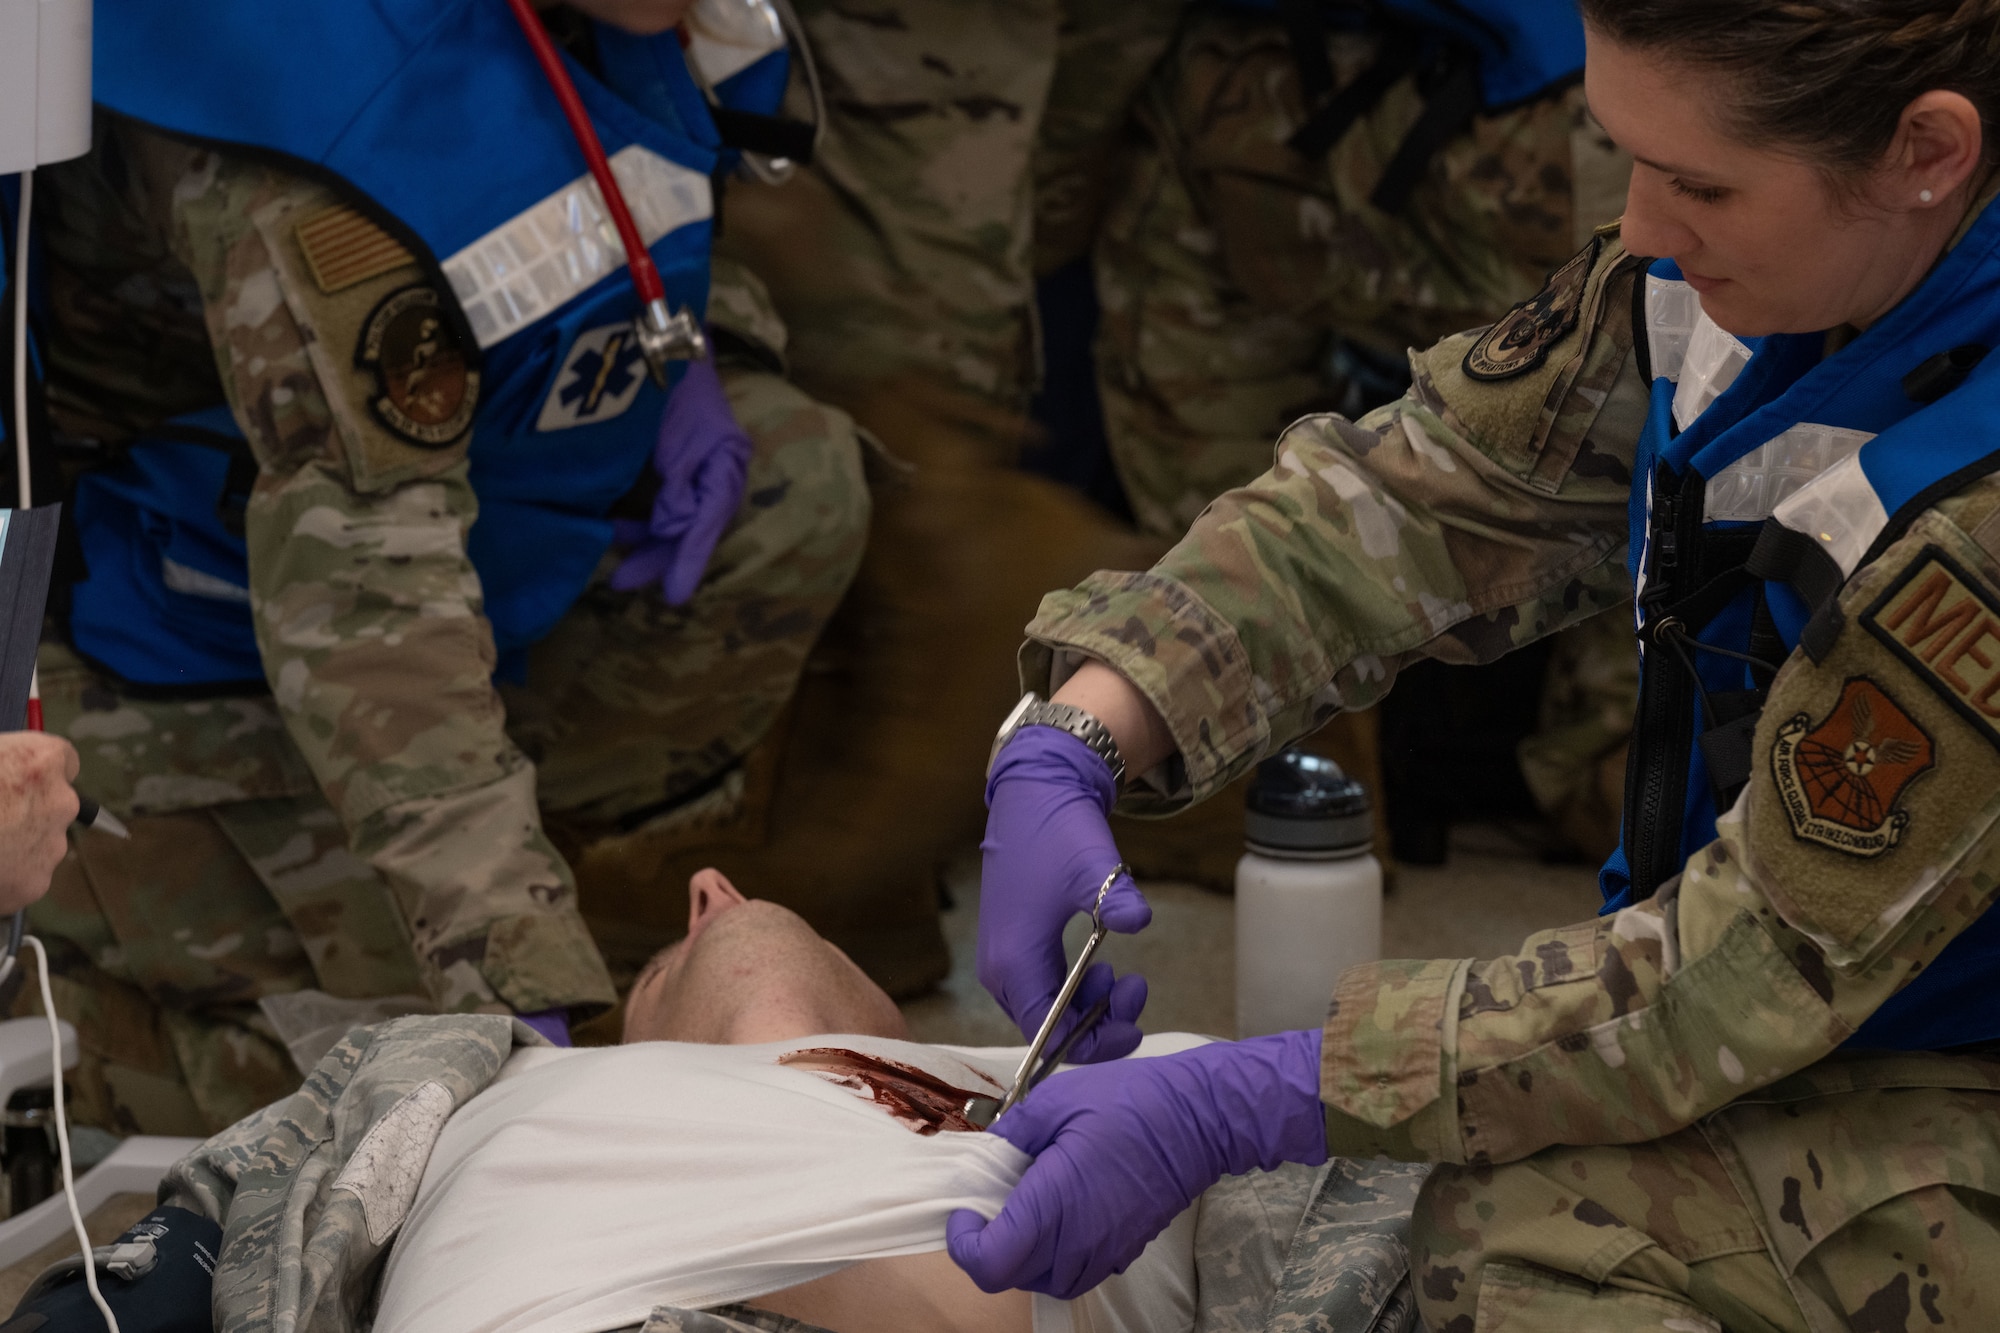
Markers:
<point>630,703</point>
<point>905,251</point>
<point>1574,764</point>
<point>165,944</point>
<point>1196,381</point>
<point>1105,51</point>
<point>1229,260</point>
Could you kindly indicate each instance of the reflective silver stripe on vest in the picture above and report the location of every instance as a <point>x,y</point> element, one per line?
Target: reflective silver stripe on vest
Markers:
<point>561,247</point>
<point>1714,360</point>
<point>199,583</point>
<point>726,37</point>
<point>1672,310</point>
<point>1702,360</point>
<point>1686,346</point>
<point>1751,488</point>
<point>1839,510</point>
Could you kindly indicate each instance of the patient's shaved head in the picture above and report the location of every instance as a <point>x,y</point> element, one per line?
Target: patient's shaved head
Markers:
<point>752,971</point>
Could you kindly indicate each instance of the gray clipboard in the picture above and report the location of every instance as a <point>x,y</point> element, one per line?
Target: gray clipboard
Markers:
<point>27,557</point>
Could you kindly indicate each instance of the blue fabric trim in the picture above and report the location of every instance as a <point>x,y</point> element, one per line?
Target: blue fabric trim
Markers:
<point>1525,46</point>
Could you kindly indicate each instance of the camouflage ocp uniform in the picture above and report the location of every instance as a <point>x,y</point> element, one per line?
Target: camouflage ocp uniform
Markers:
<point>308,1221</point>
<point>373,827</point>
<point>1244,282</point>
<point>1646,1121</point>
<point>1228,262</point>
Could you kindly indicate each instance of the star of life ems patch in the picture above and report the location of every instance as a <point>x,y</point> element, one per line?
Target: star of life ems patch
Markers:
<point>599,379</point>
<point>1945,624</point>
<point>1840,780</point>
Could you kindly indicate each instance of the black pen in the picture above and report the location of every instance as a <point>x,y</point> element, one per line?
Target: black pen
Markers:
<point>89,814</point>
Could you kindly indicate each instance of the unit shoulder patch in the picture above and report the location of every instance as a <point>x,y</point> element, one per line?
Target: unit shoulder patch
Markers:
<point>1944,622</point>
<point>1520,342</point>
<point>344,249</point>
<point>1840,780</point>
<point>426,389</point>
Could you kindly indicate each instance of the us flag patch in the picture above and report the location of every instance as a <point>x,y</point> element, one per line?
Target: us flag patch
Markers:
<point>344,249</point>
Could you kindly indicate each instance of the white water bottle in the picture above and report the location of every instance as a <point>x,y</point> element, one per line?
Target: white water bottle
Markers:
<point>1308,893</point>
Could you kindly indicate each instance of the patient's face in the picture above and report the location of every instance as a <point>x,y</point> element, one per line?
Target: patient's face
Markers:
<point>752,971</point>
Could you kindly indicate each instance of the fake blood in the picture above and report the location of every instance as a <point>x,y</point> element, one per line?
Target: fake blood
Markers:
<point>922,1101</point>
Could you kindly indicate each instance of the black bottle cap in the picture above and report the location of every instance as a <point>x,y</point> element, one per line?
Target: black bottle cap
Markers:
<point>1303,805</point>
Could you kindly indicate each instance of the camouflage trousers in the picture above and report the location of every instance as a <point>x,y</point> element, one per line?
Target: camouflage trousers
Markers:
<point>1228,263</point>
<point>177,951</point>
<point>1863,1194</point>
<point>903,254</point>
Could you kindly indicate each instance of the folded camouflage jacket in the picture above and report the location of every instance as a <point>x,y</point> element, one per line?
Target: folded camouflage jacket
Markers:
<point>311,1192</point>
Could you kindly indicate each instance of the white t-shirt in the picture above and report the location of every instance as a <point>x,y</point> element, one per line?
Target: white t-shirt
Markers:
<point>585,1188</point>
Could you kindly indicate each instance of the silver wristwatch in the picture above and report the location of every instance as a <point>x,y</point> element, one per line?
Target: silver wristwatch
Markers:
<point>1035,711</point>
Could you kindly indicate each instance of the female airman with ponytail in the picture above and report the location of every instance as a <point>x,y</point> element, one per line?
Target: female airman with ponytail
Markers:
<point>1762,1089</point>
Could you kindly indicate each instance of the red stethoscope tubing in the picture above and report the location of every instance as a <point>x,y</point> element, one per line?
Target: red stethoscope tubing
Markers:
<point>645,276</point>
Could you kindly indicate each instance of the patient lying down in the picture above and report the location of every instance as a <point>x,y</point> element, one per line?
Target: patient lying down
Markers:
<point>766,1136</point>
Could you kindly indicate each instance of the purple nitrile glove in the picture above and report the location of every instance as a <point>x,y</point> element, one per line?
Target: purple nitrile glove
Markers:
<point>1047,848</point>
<point>1122,1148</point>
<point>551,1023</point>
<point>702,459</point>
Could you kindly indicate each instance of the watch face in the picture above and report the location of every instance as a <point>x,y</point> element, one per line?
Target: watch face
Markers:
<point>1028,700</point>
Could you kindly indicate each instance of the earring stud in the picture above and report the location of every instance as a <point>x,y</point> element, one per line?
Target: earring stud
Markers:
<point>1925,195</point>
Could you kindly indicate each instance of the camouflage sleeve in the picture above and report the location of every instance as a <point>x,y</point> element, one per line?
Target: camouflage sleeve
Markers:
<point>1865,843</point>
<point>357,402</point>
<point>1484,510</point>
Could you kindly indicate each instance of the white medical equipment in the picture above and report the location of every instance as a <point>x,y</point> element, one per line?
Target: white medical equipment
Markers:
<point>44,82</point>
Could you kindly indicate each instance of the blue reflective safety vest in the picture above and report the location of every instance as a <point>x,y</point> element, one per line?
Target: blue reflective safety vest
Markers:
<point>432,117</point>
<point>1525,47</point>
<point>1768,474</point>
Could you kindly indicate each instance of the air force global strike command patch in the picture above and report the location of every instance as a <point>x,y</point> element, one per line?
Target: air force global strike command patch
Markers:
<point>1840,780</point>
<point>601,375</point>
<point>425,392</point>
<point>1521,340</point>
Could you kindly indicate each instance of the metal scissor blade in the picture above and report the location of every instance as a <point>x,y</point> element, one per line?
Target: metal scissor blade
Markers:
<point>1029,1062</point>
<point>1091,1018</point>
<point>983,1111</point>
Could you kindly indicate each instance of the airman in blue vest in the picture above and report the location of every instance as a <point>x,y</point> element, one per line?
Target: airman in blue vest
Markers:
<point>1760,417</point>
<point>390,534</point>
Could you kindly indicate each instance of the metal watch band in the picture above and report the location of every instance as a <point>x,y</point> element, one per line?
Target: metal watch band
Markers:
<point>1035,712</point>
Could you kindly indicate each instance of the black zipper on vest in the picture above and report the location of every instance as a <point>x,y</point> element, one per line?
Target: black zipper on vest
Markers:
<point>1656,790</point>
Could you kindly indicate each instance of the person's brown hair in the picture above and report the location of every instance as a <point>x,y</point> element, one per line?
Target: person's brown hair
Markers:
<point>1826,79</point>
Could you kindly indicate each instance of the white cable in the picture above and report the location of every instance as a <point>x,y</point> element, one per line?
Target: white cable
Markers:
<point>41,954</point>
<point>62,1137</point>
<point>21,336</point>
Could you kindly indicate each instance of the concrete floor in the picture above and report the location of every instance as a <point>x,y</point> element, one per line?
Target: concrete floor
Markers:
<point>1493,893</point>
